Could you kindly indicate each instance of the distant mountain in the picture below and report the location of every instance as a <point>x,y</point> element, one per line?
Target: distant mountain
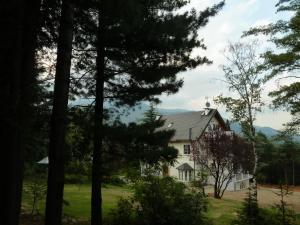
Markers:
<point>268,131</point>
<point>137,114</point>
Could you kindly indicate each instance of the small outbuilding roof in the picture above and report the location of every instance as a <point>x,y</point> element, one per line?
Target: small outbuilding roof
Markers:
<point>44,161</point>
<point>185,166</point>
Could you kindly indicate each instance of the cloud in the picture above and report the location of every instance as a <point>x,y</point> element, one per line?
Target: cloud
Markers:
<point>236,17</point>
<point>244,6</point>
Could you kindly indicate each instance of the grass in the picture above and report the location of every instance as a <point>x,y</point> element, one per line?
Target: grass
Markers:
<point>78,200</point>
<point>220,211</point>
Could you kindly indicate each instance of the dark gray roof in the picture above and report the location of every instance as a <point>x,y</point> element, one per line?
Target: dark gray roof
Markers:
<point>182,123</point>
<point>184,166</point>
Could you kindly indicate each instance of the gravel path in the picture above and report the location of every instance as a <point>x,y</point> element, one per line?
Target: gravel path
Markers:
<point>267,197</point>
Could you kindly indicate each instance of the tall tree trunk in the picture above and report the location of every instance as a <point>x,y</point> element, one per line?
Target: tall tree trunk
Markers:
<point>216,184</point>
<point>96,203</point>
<point>59,117</point>
<point>19,22</point>
<point>285,172</point>
<point>252,133</point>
<point>293,165</point>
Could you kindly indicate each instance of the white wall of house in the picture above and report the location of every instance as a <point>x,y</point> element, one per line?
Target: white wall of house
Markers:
<point>181,159</point>
<point>239,182</point>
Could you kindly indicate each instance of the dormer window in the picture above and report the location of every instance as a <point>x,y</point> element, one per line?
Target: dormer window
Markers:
<point>186,149</point>
<point>209,127</point>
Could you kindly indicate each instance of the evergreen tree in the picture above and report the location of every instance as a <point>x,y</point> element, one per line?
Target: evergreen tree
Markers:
<point>267,164</point>
<point>20,22</point>
<point>55,185</point>
<point>286,62</point>
<point>135,58</point>
<point>284,214</point>
<point>250,214</point>
<point>287,155</point>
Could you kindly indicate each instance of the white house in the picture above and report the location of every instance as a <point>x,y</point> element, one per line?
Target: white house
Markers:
<point>189,126</point>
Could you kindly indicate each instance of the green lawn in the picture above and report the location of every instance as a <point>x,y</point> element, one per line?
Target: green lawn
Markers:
<point>220,211</point>
<point>78,199</point>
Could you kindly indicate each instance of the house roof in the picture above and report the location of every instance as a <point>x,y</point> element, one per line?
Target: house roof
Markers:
<point>190,125</point>
<point>184,166</point>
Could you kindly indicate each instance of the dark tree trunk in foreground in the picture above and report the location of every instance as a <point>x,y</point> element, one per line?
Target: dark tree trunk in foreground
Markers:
<point>59,117</point>
<point>96,203</point>
<point>19,22</point>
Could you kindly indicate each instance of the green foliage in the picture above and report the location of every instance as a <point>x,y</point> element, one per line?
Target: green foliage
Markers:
<point>114,180</point>
<point>162,201</point>
<point>250,214</point>
<point>123,214</point>
<point>245,80</point>
<point>278,159</point>
<point>156,140</point>
<point>285,36</point>
<point>132,171</point>
<point>284,214</point>
<point>78,171</point>
<point>143,53</point>
<point>37,190</point>
<point>267,165</point>
<point>124,146</point>
<point>79,133</point>
<point>222,155</point>
<point>143,142</point>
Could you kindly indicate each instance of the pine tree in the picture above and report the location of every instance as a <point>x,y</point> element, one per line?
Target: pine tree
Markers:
<point>250,213</point>
<point>137,58</point>
<point>58,124</point>
<point>19,20</point>
<point>284,214</point>
<point>286,62</point>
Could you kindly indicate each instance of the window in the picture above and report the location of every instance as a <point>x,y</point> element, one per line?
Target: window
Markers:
<point>186,149</point>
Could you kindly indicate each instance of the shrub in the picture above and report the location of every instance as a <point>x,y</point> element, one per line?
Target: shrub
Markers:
<point>77,172</point>
<point>114,180</point>
<point>37,190</point>
<point>160,201</point>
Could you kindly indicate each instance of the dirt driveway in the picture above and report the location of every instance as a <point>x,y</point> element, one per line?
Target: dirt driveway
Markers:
<point>267,197</point>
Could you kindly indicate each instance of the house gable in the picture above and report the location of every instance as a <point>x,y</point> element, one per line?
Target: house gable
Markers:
<point>190,125</point>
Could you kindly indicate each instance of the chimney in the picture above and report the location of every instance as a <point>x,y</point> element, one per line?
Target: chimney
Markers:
<point>207,108</point>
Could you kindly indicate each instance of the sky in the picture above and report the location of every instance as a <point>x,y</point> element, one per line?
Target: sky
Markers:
<point>205,81</point>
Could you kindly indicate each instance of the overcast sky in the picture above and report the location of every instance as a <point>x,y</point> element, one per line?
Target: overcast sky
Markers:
<point>237,16</point>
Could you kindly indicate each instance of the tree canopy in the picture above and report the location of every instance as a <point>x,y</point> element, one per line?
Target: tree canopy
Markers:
<point>283,62</point>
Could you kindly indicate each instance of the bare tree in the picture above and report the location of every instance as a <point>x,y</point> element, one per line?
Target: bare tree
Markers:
<point>222,154</point>
<point>244,79</point>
